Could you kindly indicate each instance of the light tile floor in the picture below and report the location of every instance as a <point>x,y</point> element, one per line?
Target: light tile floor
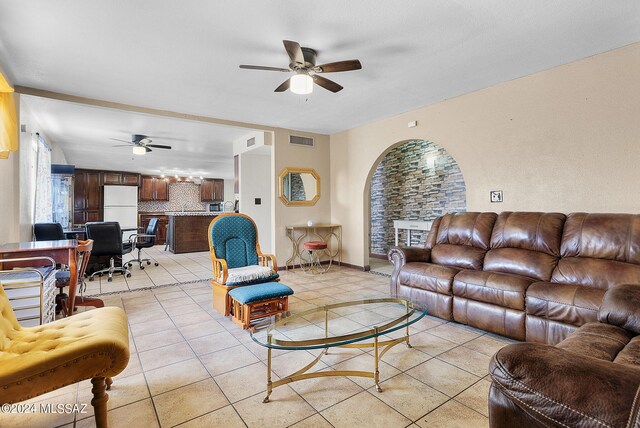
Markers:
<point>191,367</point>
<point>380,266</point>
<point>171,269</point>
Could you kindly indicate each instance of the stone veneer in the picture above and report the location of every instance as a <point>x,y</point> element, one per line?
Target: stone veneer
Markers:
<point>179,195</point>
<point>417,180</point>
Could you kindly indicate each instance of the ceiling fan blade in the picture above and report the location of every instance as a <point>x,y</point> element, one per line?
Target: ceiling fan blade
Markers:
<point>262,67</point>
<point>122,141</point>
<point>147,149</point>
<point>326,83</point>
<point>283,87</point>
<point>157,146</point>
<point>122,145</point>
<point>334,67</point>
<point>294,51</point>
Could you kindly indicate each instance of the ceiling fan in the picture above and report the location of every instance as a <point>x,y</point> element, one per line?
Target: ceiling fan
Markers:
<point>140,144</point>
<point>303,64</point>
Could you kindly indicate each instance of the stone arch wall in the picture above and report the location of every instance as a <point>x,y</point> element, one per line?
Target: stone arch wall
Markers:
<point>417,180</point>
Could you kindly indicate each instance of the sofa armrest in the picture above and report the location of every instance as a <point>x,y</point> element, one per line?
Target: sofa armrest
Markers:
<point>399,256</point>
<point>560,388</point>
<point>621,307</point>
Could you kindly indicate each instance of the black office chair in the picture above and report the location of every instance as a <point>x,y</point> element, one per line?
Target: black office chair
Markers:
<point>107,241</point>
<point>145,240</point>
<point>48,232</point>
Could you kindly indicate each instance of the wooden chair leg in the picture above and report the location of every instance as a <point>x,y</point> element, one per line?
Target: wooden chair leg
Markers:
<point>108,381</point>
<point>99,401</point>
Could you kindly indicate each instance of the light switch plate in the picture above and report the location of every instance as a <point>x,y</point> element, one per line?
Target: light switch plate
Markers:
<point>495,195</point>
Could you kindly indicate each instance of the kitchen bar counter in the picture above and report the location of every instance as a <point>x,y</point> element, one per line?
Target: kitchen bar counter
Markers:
<point>188,231</point>
<point>194,213</point>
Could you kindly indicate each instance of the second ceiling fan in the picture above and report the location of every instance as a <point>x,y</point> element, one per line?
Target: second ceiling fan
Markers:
<point>303,64</point>
<point>141,144</point>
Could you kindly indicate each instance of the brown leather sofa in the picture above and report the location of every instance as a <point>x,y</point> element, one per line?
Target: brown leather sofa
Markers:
<point>527,275</point>
<point>590,379</point>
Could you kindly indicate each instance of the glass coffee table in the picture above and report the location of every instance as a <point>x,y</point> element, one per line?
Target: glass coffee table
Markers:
<point>352,324</point>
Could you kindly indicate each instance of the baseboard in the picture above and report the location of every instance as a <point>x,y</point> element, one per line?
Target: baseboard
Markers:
<point>378,256</point>
<point>366,268</point>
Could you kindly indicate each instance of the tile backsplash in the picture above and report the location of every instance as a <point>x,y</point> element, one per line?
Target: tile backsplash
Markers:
<point>181,195</point>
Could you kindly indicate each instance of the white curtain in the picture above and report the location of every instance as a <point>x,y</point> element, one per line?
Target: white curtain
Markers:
<point>42,211</point>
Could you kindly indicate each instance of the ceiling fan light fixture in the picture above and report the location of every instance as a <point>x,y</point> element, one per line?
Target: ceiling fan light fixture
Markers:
<point>301,84</point>
<point>139,150</point>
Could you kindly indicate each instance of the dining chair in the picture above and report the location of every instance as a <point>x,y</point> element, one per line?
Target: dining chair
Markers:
<point>83,254</point>
<point>145,240</point>
<point>107,237</point>
<point>48,232</point>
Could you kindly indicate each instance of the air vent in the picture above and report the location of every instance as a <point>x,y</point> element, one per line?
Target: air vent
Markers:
<point>251,142</point>
<point>301,141</point>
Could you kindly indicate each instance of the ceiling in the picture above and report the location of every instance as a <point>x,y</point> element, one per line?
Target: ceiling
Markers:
<point>184,56</point>
<point>85,133</point>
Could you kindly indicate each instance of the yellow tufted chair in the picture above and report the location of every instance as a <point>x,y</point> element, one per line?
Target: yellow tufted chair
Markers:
<point>33,361</point>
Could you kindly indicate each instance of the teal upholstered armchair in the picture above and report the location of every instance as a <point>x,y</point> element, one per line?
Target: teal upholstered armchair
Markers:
<point>236,257</point>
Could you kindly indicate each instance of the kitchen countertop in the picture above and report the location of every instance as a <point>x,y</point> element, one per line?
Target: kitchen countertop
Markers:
<point>193,213</point>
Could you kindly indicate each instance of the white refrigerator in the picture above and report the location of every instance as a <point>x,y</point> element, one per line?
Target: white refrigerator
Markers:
<point>121,205</point>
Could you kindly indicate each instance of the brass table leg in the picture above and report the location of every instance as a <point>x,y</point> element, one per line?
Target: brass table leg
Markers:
<point>406,304</point>
<point>376,373</point>
<point>269,383</point>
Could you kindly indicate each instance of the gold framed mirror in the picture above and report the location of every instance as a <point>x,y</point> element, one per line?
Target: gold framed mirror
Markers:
<point>299,186</point>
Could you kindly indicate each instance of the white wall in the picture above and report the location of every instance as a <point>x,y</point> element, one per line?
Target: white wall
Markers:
<point>255,182</point>
<point>565,139</point>
<point>27,154</point>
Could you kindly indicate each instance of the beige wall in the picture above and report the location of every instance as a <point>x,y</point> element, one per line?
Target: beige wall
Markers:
<point>287,155</point>
<point>565,139</point>
<point>9,196</point>
<point>255,182</point>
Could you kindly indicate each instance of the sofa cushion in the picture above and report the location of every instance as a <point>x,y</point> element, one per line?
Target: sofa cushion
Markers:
<point>428,276</point>
<point>603,236</point>
<point>461,240</point>
<point>260,292</point>
<point>597,340</point>
<point>600,250</point>
<point>630,355</point>
<point>598,273</point>
<point>525,243</point>
<point>570,304</point>
<point>621,307</point>
<point>496,288</point>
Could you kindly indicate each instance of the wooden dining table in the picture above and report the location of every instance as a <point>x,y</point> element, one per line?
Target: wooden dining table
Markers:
<point>62,251</point>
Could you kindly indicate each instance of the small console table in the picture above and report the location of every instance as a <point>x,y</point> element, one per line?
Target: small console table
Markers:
<point>323,232</point>
<point>410,225</point>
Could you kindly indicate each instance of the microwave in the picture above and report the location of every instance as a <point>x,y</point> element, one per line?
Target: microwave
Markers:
<point>217,206</point>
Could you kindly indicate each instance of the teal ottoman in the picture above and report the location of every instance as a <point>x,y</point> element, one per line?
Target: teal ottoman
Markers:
<point>252,302</point>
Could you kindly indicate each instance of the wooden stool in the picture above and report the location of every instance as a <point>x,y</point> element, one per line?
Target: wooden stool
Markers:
<point>252,302</point>
<point>310,257</point>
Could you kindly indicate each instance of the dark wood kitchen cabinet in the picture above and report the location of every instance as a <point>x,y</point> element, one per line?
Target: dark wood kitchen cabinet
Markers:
<point>87,196</point>
<point>212,190</point>
<point>120,178</point>
<point>153,189</point>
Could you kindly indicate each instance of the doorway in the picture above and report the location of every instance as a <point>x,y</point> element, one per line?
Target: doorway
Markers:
<point>416,180</point>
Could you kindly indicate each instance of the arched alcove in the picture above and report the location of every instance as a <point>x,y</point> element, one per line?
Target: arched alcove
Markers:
<point>415,180</point>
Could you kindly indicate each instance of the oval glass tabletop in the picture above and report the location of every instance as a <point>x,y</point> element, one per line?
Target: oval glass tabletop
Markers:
<point>337,324</point>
